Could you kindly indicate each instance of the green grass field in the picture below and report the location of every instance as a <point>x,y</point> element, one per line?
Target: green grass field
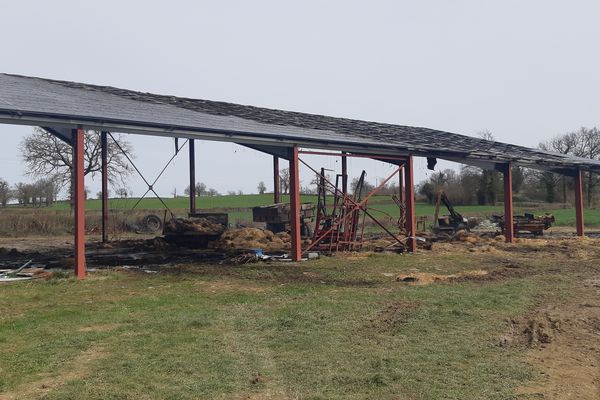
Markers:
<point>331,329</point>
<point>239,207</point>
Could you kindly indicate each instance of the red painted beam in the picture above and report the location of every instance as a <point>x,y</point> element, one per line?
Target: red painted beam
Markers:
<point>104,167</point>
<point>295,204</point>
<point>409,198</point>
<point>79,200</point>
<point>579,204</point>
<point>192,150</point>
<point>276,181</point>
<point>344,173</point>
<point>509,232</point>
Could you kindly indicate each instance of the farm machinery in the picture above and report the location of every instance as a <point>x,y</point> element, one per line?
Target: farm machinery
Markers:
<point>527,223</point>
<point>448,223</point>
<point>277,217</point>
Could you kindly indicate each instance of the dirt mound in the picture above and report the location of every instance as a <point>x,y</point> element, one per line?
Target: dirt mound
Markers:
<point>531,331</point>
<point>252,238</point>
<point>425,278</point>
<point>393,316</point>
<point>193,225</point>
<point>539,330</point>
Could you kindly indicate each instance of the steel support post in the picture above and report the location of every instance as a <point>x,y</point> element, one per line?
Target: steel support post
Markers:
<point>295,204</point>
<point>192,176</point>
<point>77,141</point>
<point>401,184</point>
<point>579,203</point>
<point>104,150</point>
<point>276,181</point>
<point>508,204</point>
<point>344,173</point>
<point>409,198</point>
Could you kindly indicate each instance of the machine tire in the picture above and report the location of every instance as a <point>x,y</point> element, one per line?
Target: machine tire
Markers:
<point>152,223</point>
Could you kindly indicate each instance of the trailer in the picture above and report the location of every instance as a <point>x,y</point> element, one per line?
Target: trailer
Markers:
<point>277,217</point>
<point>527,223</point>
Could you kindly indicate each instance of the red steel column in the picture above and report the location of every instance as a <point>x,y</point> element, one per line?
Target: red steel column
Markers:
<point>579,204</point>
<point>401,184</point>
<point>295,204</point>
<point>409,196</point>
<point>104,150</point>
<point>344,173</point>
<point>77,136</point>
<point>508,205</point>
<point>276,182</point>
<point>192,176</point>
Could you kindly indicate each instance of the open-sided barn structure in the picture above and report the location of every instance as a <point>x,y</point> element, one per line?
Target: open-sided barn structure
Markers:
<point>68,108</point>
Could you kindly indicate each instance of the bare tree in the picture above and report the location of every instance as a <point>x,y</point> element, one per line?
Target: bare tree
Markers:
<point>99,194</point>
<point>569,143</point>
<point>262,188</point>
<point>45,191</point>
<point>24,193</point>
<point>489,183</point>
<point>5,192</point>
<point>46,155</point>
<point>590,148</point>
<point>200,189</point>
<point>284,179</point>
<point>584,142</point>
<point>122,192</point>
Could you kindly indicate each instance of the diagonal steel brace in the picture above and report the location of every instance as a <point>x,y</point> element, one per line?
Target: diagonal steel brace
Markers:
<point>150,185</point>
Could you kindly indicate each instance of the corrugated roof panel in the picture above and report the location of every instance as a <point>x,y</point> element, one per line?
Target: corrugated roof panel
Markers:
<point>71,100</point>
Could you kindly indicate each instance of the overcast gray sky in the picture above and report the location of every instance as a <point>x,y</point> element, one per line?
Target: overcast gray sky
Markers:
<point>525,70</point>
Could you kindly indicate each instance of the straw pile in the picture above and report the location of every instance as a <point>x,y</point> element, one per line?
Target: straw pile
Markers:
<point>252,238</point>
<point>193,225</point>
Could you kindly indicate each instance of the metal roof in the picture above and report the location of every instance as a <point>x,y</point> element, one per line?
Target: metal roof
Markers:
<point>62,104</point>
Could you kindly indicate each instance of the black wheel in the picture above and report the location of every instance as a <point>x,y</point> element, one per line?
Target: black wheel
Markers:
<point>152,223</point>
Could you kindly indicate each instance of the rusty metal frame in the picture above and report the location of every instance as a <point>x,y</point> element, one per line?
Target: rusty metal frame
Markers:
<point>276,181</point>
<point>579,217</point>
<point>296,247</point>
<point>192,156</point>
<point>409,201</point>
<point>509,231</point>
<point>357,205</point>
<point>104,156</point>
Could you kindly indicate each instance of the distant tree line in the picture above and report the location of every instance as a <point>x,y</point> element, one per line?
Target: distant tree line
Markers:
<point>202,190</point>
<point>42,192</point>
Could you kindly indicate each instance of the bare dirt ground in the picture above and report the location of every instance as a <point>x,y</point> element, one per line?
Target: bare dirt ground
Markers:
<point>563,342</point>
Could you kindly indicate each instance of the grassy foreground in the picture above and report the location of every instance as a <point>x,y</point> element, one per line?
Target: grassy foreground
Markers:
<point>336,328</point>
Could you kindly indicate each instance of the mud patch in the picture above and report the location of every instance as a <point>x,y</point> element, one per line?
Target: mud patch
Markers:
<point>531,331</point>
<point>426,278</point>
<point>564,347</point>
<point>393,316</point>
